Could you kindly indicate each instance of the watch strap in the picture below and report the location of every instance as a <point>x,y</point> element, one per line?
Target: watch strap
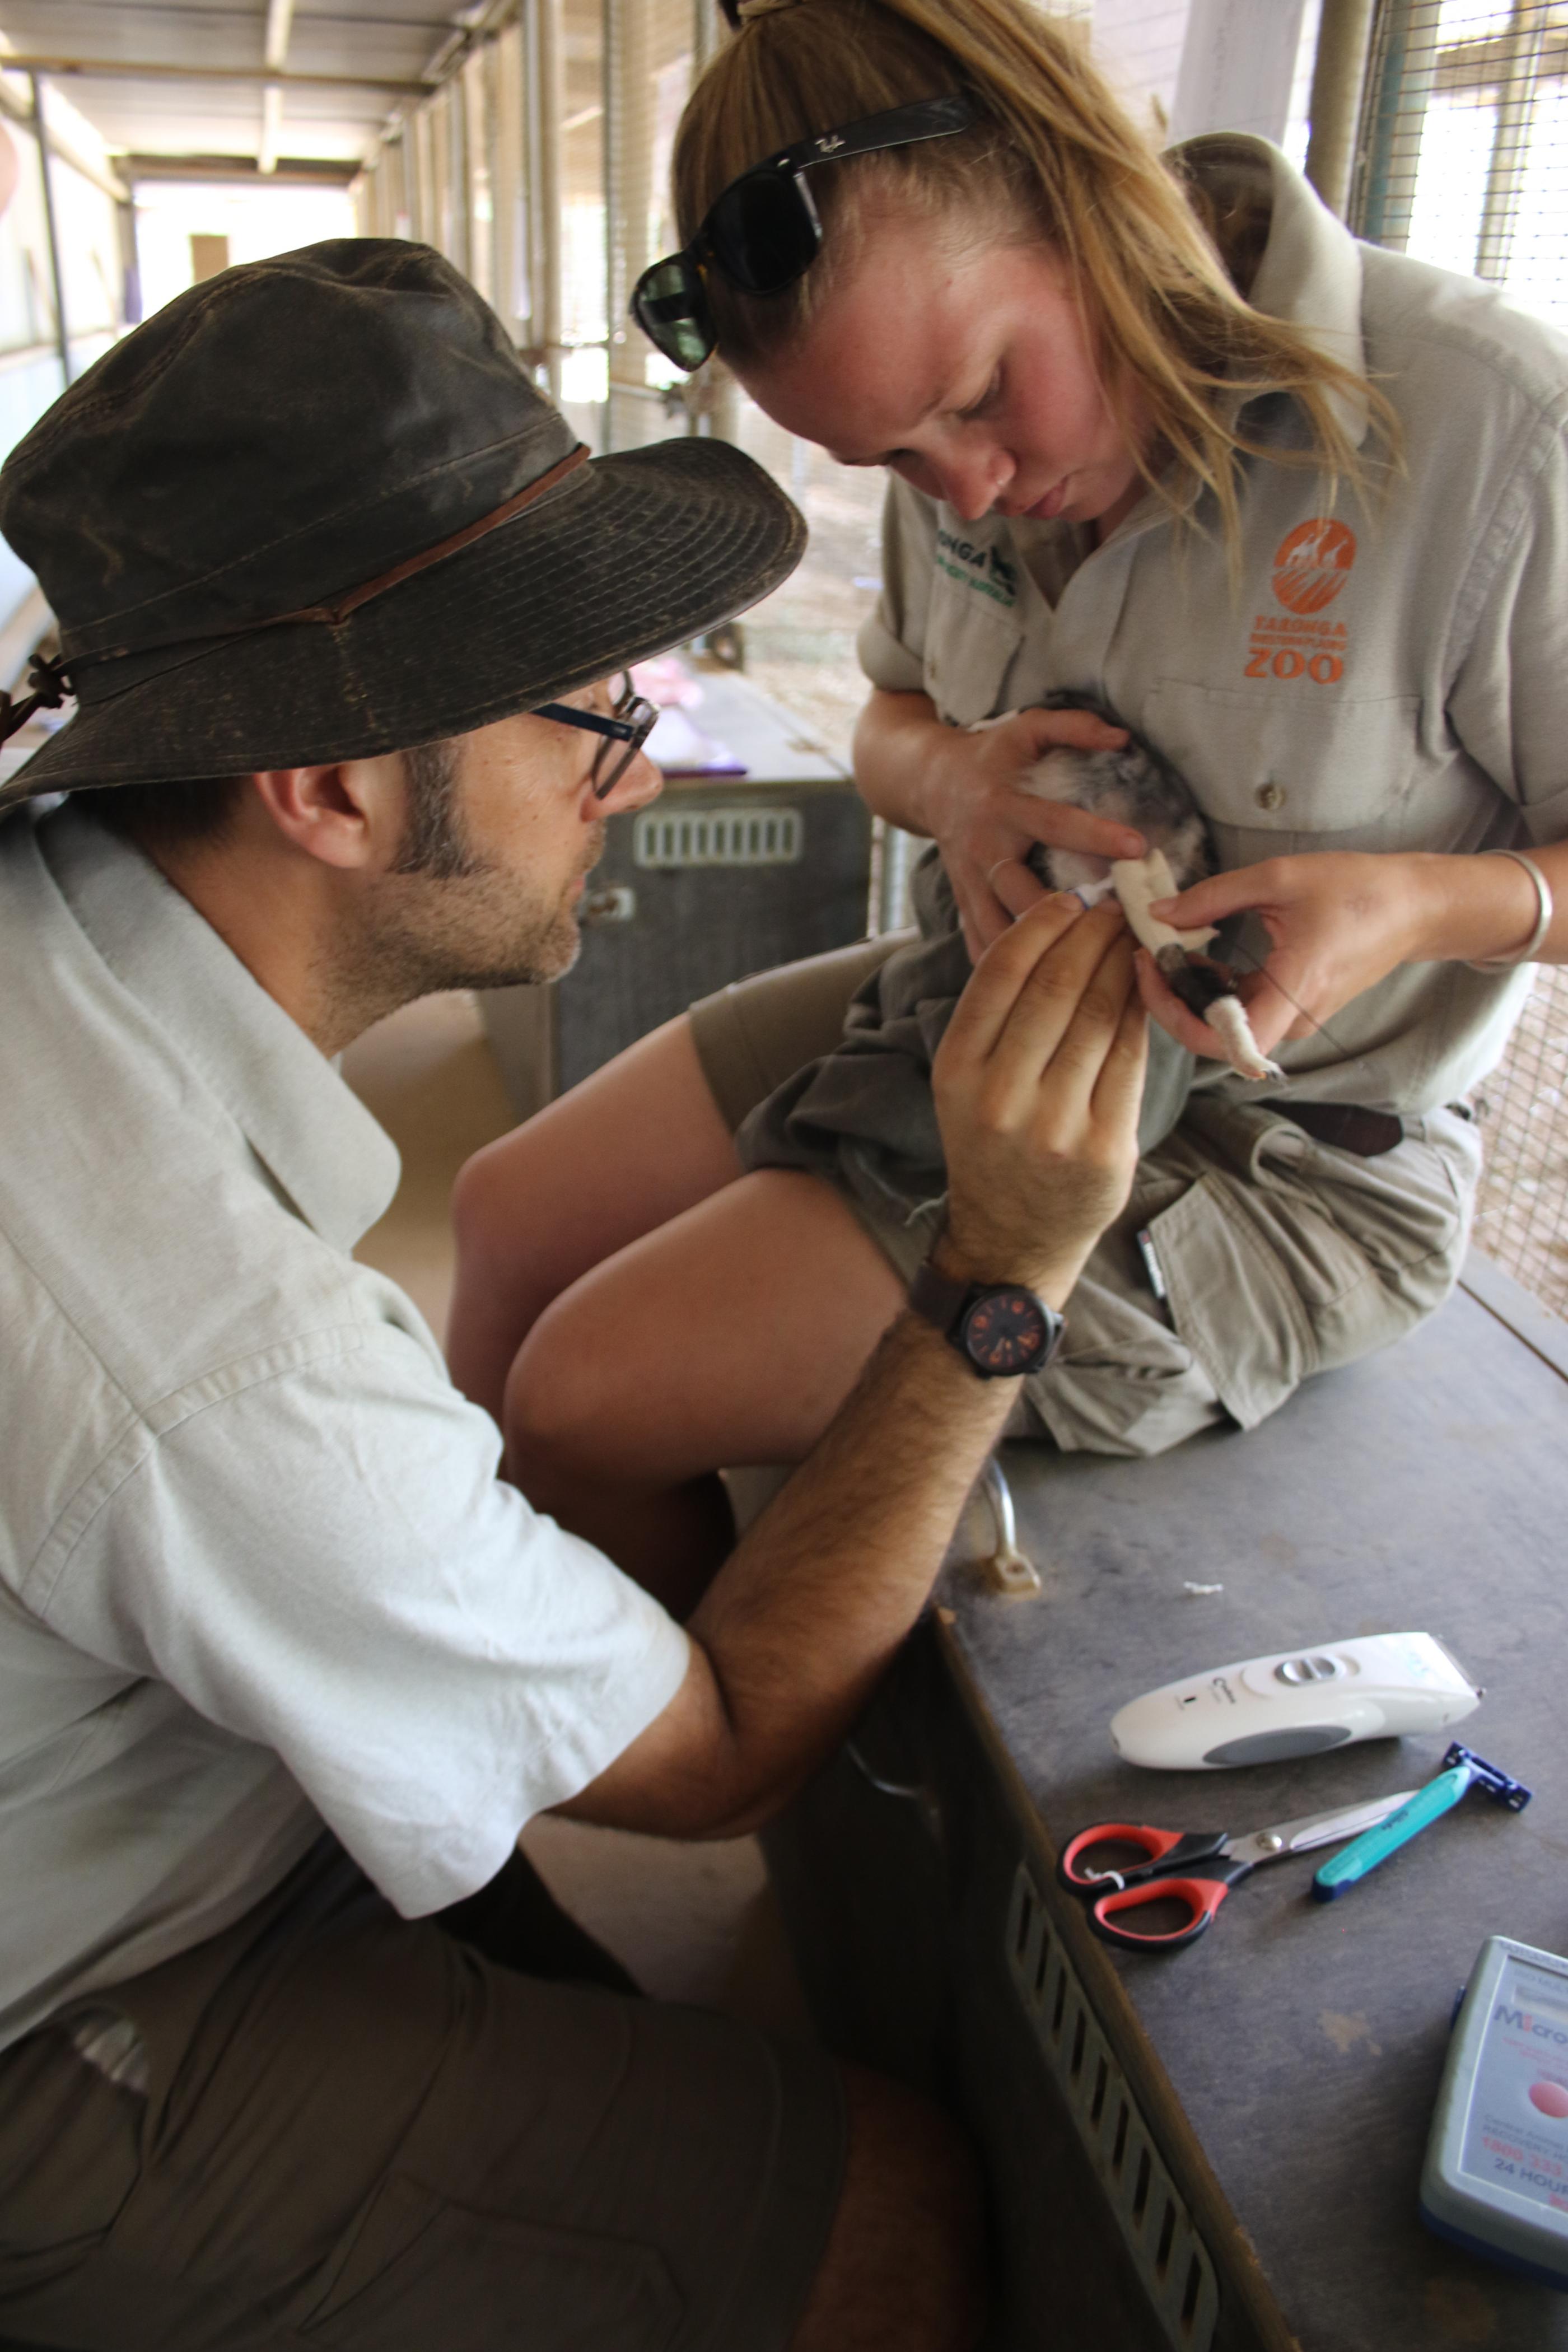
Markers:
<point>941,1298</point>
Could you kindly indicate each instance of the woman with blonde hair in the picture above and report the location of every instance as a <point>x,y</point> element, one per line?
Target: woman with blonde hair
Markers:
<point>1166,445</point>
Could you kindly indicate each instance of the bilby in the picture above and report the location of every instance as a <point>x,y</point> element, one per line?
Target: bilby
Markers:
<point>1138,787</point>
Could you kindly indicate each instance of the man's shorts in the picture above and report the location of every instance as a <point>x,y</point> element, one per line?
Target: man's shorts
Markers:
<point>364,2132</point>
<point>1278,1256</point>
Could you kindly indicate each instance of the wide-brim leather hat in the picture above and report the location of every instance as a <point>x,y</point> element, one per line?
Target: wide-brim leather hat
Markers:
<point>316,509</point>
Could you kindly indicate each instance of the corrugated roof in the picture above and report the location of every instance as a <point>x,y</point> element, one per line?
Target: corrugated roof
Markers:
<point>185,79</point>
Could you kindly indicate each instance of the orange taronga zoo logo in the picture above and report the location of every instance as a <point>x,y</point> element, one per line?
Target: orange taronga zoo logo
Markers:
<point>1311,564</point>
<point>1314,563</point>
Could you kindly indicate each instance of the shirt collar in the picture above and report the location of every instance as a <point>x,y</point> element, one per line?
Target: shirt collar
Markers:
<point>313,1135</point>
<point>1311,271</point>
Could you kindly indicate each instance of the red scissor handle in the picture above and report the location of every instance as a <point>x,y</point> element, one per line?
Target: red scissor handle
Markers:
<point>1164,1851</point>
<point>1202,1890</point>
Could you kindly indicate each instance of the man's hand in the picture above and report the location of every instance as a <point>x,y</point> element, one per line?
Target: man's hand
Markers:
<point>1038,1082</point>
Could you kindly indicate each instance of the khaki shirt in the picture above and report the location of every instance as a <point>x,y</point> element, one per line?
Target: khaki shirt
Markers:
<point>1390,675</point>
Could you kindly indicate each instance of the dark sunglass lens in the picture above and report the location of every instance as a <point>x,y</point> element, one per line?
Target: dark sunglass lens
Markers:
<point>671,308</point>
<point>764,233</point>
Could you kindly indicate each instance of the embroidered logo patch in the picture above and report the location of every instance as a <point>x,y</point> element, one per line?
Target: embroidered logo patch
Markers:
<point>1314,563</point>
<point>981,568</point>
<point>1311,564</point>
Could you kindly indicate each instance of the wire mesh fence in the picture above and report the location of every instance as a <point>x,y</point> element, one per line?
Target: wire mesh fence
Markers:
<point>1465,163</point>
<point>1521,1216</point>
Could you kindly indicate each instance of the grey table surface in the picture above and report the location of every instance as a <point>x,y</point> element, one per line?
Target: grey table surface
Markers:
<point>1295,2050</point>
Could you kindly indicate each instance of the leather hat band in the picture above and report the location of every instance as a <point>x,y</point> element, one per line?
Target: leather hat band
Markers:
<point>50,680</point>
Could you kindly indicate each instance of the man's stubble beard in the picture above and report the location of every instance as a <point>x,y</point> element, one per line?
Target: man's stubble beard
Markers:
<point>449,918</point>
<point>485,931</point>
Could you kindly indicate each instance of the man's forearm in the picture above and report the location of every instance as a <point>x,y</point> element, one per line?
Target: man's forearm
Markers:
<point>803,1620</point>
<point>1037,1082</point>
<point>805,1615</point>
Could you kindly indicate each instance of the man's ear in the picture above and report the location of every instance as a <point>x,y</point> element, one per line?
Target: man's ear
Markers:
<point>348,815</point>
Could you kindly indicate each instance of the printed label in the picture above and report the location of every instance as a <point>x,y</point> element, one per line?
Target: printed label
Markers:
<point>1516,2136</point>
<point>1311,564</point>
<point>980,568</point>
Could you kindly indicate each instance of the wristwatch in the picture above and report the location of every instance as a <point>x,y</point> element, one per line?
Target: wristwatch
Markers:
<point>1001,1329</point>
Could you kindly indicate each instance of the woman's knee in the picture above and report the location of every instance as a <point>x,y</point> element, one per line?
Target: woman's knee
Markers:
<point>616,1157</point>
<point>732,1335</point>
<point>556,1399</point>
<point>483,1205</point>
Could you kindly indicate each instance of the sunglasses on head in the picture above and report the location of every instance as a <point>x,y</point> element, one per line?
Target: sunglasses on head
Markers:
<point>625,728</point>
<point>763,232</point>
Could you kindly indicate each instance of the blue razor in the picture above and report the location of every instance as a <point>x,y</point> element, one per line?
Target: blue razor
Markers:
<point>1462,1769</point>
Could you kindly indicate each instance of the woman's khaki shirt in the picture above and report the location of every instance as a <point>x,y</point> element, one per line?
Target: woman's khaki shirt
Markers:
<point>1388,672</point>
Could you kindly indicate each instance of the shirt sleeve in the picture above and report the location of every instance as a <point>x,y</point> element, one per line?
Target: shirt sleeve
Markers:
<point>323,1561</point>
<point>1509,702</point>
<point>892,643</point>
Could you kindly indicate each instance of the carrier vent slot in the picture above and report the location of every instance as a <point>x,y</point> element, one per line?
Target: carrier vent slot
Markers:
<point>1169,2257</point>
<point>717,836</point>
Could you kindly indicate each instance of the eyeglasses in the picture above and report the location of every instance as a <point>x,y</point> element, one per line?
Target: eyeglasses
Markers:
<point>763,232</point>
<point>632,721</point>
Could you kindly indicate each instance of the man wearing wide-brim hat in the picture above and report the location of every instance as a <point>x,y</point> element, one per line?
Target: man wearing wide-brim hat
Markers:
<point>293,2048</point>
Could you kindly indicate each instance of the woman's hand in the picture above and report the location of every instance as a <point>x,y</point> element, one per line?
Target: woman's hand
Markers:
<point>960,789</point>
<point>985,827</point>
<point>1340,921</point>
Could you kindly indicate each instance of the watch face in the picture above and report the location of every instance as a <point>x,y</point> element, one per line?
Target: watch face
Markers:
<point>1005,1331</point>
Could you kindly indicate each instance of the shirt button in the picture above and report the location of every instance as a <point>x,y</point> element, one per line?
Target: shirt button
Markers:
<point>1270,796</point>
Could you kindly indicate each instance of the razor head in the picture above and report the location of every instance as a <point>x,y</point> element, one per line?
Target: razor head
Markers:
<point>1500,1786</point>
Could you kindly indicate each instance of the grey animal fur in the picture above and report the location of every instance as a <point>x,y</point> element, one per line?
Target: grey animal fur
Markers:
<point>1135,786</point>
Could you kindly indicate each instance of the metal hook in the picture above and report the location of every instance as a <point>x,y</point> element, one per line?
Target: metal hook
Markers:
<point>1008,1569</point>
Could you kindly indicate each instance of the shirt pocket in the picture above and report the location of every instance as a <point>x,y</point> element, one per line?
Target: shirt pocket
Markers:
<point>970,643</point>
<point>1278,766</point>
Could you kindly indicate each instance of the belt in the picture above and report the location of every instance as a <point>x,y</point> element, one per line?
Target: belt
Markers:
<point>1345,1127</point>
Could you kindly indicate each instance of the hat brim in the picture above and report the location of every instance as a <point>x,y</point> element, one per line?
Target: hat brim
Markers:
<point>636,552</point>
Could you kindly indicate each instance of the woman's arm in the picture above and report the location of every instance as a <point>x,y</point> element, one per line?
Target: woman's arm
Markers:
<point>1340,921</point>
<point>961,790</point>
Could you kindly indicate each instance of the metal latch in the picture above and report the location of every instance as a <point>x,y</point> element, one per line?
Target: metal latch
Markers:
<point>617,904</point>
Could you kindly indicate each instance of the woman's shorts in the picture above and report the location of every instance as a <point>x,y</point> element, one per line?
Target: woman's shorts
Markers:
<point>1278,1256</point>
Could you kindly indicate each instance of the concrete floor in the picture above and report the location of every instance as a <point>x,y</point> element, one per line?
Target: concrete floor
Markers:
<point>693,1923</point>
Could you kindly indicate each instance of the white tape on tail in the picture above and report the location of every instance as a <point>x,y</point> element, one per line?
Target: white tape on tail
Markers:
<point>1141,880</point>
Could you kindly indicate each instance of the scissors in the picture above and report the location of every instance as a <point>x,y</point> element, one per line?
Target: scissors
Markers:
<point>1197,1868</point>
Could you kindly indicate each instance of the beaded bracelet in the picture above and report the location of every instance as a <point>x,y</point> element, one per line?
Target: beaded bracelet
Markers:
<point>1526,954</point>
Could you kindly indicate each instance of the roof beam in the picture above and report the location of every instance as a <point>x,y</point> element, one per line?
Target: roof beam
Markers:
<point>271,128</point>
<point>117,69</point>
<point>328,172</point>
<point>280,24</point>
<point>14,108</point>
